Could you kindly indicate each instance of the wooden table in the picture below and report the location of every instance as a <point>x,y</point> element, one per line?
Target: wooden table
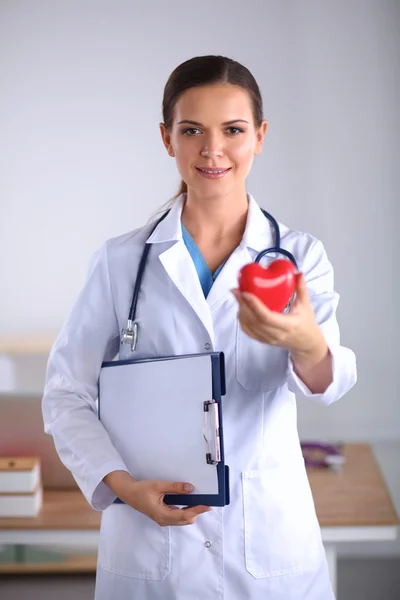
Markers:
<point>353,505</point>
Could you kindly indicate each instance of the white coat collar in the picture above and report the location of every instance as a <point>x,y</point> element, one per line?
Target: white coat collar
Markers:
<point>181,269</point>
<point>170,229</point>
<point>257,236</point>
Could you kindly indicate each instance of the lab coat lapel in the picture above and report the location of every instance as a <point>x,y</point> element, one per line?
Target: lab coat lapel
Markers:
<point>182,271</point>
<point>227,279</point>
<point>257,236</point>
<point>179,265</point>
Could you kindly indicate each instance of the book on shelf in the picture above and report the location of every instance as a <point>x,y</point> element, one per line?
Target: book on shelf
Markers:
<point>21,493</point>
<point>21,504</point>
<point>19,474</point>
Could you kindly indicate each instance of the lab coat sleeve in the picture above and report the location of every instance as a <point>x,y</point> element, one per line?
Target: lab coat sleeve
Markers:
<point>89,336</point>
<point>318,273</point>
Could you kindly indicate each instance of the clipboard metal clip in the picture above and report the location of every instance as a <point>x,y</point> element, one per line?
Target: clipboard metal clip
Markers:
<point>211,414</point>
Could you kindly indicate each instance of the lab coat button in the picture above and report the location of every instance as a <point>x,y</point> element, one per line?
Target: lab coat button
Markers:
<point>207,346</point>
<point>208,544</point>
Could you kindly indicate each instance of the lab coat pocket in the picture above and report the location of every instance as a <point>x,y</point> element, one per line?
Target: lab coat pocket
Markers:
<point>259,366</point>
<point>281,529</point>
<point>133,545</point>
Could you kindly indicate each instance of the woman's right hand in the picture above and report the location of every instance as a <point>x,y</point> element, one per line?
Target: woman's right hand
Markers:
<point>148,498</point>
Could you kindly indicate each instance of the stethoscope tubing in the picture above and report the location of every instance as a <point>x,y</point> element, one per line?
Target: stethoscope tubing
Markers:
<point>129,335</point>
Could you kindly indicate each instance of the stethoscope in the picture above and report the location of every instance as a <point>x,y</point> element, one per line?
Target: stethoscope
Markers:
<point>130,334</point>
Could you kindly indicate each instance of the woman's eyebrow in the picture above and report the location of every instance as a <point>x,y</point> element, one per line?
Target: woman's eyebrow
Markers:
<point>189,122</point>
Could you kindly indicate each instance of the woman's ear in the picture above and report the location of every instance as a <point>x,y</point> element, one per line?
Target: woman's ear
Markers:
<point>260,135</point>
<point>166,138</point>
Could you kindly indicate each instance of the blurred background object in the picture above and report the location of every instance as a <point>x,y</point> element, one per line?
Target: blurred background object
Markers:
<point>21,490</point>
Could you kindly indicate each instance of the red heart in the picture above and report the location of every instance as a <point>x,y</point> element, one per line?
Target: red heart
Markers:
<point>273,285</point>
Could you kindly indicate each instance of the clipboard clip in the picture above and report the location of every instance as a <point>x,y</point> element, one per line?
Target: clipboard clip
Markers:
<point>211,414</point>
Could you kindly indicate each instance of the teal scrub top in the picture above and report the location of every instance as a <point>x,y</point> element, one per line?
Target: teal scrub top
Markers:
<point>206,277</point>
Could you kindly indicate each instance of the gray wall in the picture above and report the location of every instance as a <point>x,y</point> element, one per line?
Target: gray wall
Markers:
<point>81,159</point>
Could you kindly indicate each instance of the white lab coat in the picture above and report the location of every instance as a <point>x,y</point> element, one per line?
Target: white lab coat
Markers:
<point>267,542</point>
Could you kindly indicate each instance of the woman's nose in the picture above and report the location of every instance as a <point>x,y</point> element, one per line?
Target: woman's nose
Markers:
<point>211,152</point>
<point>212,146</point>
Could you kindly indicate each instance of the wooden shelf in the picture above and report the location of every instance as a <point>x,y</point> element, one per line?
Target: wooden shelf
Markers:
<point>72,564</point>
<point>356,497</point>
<point>18,345</point>
<point>62,510</point>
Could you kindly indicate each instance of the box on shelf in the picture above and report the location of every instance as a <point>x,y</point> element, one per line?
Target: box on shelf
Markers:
<point>21,505</point>
<point>19,474</point>
<point>8,378</point>
<point>21,493</point>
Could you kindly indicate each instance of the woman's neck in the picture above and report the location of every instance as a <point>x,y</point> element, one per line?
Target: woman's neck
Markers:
<point>215,218</point>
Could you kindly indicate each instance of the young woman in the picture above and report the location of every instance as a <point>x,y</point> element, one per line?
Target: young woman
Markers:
<point>267,542</point>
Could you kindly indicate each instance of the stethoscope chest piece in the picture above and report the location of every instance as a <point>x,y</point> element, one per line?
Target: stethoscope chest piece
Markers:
<point>130,334</point>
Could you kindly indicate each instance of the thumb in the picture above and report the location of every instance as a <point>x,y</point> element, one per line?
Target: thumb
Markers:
<point>167,487</point>
<point>301,289</point>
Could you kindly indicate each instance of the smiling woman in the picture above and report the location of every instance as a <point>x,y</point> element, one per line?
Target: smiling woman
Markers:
<point>198,97</point>
<point>266,543</point>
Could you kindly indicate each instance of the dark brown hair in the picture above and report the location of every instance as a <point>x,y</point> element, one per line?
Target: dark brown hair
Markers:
<point>207,70</point>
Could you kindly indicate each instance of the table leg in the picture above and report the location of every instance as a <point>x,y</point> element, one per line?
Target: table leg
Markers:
<point>331,557</point>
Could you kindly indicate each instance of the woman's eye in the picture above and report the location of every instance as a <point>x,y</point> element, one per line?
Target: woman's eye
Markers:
<point>234,130</point>
<point>191,131</point>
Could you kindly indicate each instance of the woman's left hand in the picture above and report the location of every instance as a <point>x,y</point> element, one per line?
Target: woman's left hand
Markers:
<point>296,331</point>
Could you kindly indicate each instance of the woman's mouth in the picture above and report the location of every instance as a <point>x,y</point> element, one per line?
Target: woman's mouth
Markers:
<point>214,173</point>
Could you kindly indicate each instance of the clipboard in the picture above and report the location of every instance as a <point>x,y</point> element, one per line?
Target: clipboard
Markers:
<point>164,416</point>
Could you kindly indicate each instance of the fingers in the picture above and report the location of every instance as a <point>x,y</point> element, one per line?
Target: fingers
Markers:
<point>167,487</point>
<point>173,515</point>
<point>255,311</point>
<point>147,497</point>
<point>250,314</point>
<point>259,322</point>
<point>197,510</point>
<point>169,516</point>
<point>301,289</point>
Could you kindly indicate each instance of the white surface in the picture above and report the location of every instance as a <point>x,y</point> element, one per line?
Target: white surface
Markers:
<point>359,534</point>
<point>8,380</point>
<point>331,558</point>
<point>153,412</point>
<point>89,538</point>
<point>27,374</point>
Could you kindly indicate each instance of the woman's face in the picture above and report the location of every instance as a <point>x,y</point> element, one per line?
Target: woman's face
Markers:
<point>214,139</point>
